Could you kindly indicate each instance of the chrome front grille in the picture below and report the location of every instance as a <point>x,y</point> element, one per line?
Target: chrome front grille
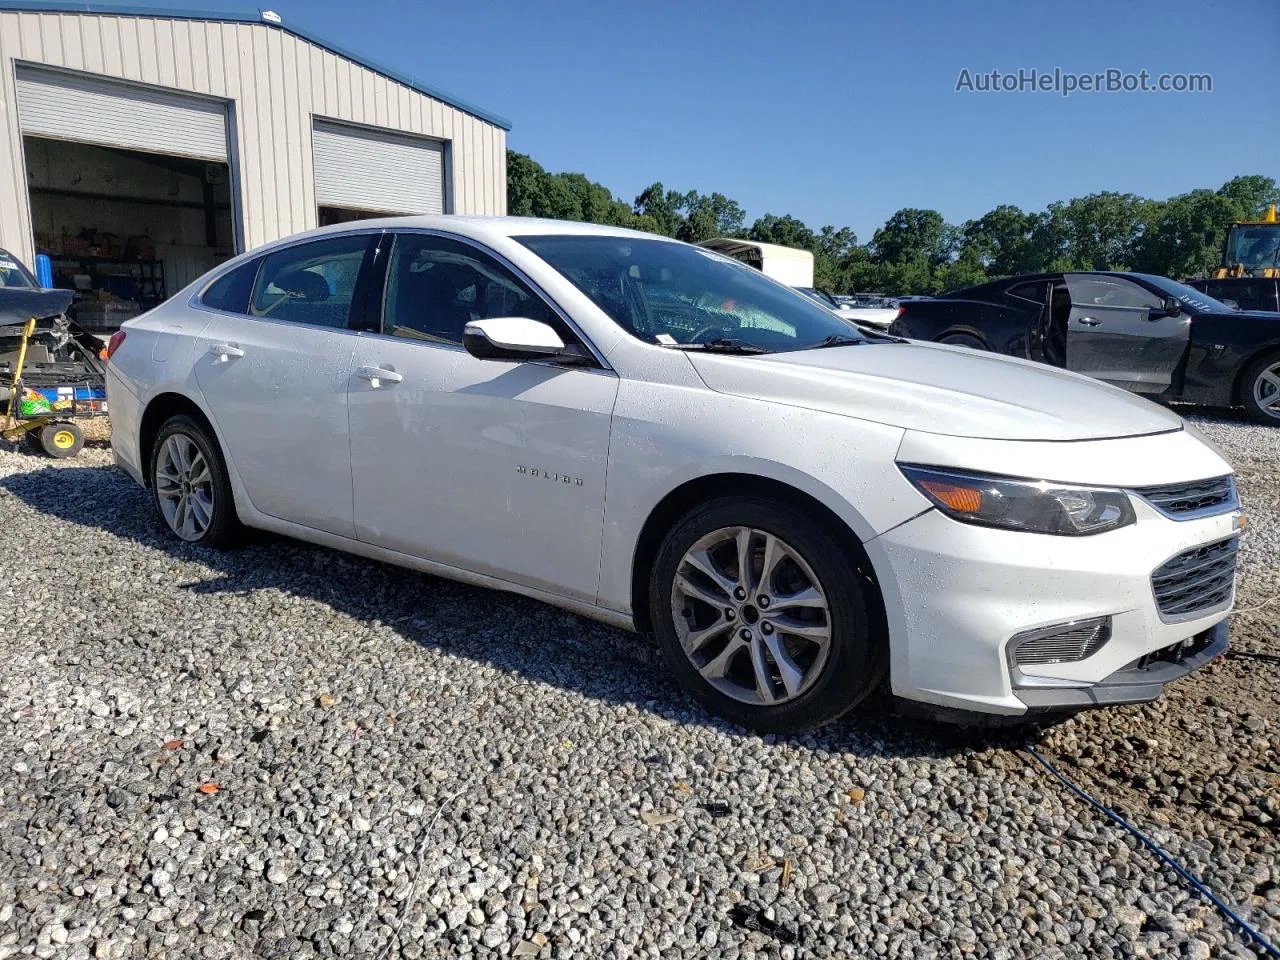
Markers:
<point>1065,643</point>
<point>1183,501</point>
<point>1195,581</point>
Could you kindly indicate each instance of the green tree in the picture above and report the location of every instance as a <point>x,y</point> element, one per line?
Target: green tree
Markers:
<point>1103,229</point>
<point>910,235</point>
<point>1000,240</point>
<point>662,206</point>
<point>1252,195</point>
<point>1185,240</point>
<point>786,231</point>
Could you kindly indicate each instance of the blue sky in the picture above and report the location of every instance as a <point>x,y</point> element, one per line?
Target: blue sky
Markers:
<point>837,111</point>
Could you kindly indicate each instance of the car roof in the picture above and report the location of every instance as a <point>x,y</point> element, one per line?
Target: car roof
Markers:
<point>480,227</point>
<point>995,286</point>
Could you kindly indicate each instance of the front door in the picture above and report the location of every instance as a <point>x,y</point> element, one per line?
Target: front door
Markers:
<point>493,466</point>
<point>1117,332</point>
<point>275,381</point>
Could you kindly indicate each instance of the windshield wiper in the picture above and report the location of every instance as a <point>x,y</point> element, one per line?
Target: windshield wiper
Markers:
<point>837,340</point>
<point>719,345</point>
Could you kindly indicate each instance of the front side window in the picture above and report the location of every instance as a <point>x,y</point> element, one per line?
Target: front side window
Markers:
<point>1109,292</point>
<point>676,294</point>
<point>312,282</point>
<point>436,286</point>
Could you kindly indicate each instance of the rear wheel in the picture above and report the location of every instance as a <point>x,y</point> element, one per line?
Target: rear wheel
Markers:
<point>963,340</point>
<point>1260,389</point>
<point>190,486</point>
<point>762,616</point>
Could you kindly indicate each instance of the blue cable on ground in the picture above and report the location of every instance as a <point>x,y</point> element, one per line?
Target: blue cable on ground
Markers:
<point>1191,879</point>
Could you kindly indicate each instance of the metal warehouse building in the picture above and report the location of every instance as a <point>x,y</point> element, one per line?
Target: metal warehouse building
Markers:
<point>140,147</point>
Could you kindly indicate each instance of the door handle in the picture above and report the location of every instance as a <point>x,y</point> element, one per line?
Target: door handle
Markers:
<point>225,351</point>
<point>376,376</point>
<point>1088,322</point>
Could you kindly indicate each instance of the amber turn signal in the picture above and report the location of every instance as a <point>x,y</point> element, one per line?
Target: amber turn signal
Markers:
<point>959,499</point>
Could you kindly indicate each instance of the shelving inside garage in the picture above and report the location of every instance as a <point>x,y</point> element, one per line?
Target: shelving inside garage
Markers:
<point>126,228</point>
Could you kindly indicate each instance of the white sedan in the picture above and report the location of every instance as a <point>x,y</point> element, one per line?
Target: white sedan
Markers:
<point>656,436</point>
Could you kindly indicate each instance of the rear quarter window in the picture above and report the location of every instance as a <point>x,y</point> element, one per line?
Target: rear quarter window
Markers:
<point>230,292</point>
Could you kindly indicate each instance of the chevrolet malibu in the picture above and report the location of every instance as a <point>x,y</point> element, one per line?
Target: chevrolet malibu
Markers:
<point>653,435</point>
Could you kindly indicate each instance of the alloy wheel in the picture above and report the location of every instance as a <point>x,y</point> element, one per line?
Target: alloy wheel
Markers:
<point>1266,391</point>
<point>751,615</point>
<point>184,487</point>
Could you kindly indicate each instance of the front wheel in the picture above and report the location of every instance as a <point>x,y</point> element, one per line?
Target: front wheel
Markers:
<point>762,615</point>
<point>190,486</point>
<point>1260,387</point>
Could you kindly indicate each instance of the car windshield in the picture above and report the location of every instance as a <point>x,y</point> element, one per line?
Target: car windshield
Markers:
<point>675,294</point>
<point>821,296</point>
<point>12,273</point>
<point>1189,296</point>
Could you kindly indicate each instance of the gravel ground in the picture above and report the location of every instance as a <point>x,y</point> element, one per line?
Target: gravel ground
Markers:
<point>285,751</point>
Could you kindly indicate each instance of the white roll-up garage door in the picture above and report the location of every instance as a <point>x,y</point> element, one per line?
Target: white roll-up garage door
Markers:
<point>72,106</point>
<point>363,169</point>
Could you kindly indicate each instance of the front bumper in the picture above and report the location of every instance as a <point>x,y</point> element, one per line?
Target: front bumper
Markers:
<point>1139,682</point>
<point>956,594</point>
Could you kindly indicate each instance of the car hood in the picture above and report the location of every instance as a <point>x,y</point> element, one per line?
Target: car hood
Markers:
<point>20,304</point>
<point>939,389</point>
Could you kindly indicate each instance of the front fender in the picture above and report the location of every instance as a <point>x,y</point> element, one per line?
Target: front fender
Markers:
<point>660,444</point>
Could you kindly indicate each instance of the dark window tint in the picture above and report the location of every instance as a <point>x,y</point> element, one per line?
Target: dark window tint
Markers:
<point>1109,292</point>
<point>1033,291</point>
<point>230,292</point>
<point>435,286</point>
<point>312,282</point>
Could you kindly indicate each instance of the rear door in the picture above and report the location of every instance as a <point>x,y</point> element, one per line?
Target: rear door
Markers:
<point>1117,332</point>
<point>274,377</point>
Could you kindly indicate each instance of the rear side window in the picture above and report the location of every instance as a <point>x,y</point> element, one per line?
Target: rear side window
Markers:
<point>312,282</point>
<point>230,292</point>
<point>1033,291</point>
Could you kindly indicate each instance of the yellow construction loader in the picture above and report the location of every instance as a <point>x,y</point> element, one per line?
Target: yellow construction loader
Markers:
<point>1252,248</point>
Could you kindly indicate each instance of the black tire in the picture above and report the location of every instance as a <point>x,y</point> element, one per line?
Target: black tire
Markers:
<point>31,443</point>
<point>963,340</point>
<point>61,440</point>
<point>857,656</point>
<point>224,529</point>
<point>1250,387</point>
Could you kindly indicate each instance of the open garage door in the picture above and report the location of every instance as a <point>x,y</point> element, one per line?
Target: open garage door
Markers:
<point>130,187</point>
<point>372,172</point>
<point>70,106</point>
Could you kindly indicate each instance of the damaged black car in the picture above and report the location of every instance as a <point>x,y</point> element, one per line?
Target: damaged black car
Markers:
<point>1148,334</point>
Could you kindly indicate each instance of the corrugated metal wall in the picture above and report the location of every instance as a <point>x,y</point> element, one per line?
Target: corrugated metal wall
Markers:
<point>278,83</point>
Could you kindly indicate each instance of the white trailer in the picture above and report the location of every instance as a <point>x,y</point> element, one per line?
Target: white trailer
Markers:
<point>784,264</point>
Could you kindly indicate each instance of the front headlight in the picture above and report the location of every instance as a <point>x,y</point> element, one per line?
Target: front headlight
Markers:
<point>1035,506</point>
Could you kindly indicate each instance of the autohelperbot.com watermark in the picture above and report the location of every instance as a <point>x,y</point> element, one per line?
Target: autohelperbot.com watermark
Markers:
<point>1065,83</point>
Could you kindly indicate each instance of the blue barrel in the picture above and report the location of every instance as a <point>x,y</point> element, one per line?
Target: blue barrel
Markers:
<point>44,270</point>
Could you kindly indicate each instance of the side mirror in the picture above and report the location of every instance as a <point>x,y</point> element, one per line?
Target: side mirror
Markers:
<point>511,338</point>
